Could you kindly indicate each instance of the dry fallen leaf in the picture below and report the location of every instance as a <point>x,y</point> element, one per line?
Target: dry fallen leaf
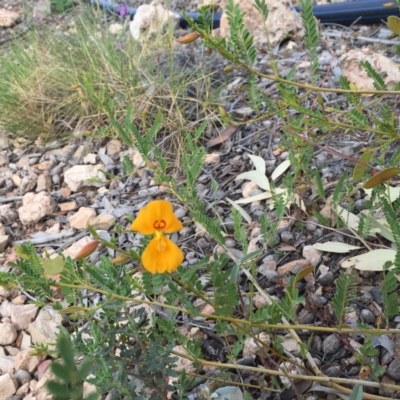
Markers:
<point>223,136</point>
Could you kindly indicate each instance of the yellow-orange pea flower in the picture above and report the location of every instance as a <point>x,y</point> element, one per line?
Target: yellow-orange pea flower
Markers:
<point>161,254</point>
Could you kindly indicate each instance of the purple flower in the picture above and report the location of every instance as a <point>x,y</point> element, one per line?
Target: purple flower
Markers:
<point>122,10</point>
<point>36,17</point>
<point>119,45</point>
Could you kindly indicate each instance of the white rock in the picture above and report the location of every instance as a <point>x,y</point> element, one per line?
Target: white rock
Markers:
<point>183,363</point>
<point>7,386</point>
<point>44,183</point>
<point>251,348</point>
<point>90,158</point>
<point>8,334</point>
<point>45,326</point>
<point>80,220</point>
<point>313,256</point>
<point>115,28</point>
<point>75,248</point>
<point>281,21</point>
<point>78,176</point>
<point>26,341</point>
<point>356,74</point>
<point>113,147</point>
<point>35,206</point>
<point>24,389</point>
<point>8,18</point>
<point>28,182</point>
<point>212,158</point>
<point>6,364</point>
<point>3,242</point>
<point>2,231</point>
<point>27,361</point>
<point>23,315</point>
<point>102,222</point>
<point>4,293</point>
<point>151,19</point>
<point>7,214</point>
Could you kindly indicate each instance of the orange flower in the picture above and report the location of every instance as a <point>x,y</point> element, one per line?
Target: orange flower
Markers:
<point>161,254</point>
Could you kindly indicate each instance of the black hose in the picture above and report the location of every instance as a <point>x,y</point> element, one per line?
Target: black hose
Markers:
<point>366,11</point>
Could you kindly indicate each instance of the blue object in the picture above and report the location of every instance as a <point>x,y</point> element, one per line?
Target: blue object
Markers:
<point>366,11</point>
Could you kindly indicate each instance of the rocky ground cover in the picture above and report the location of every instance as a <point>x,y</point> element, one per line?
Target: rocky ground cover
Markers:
<point>50,192</point>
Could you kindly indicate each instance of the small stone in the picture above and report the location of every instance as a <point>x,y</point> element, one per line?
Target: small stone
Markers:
<point>267,266</point>
<point>23,315</point>
<point>394,369</point>
<point>90,158</point>
<point>312,255</point>
<point>79,176</point>
<point>19,300</point>
<point>68,206</point>
<point>259,301</point>
<point>44,183</point>
<point>305,317</point>
<point>180,213</point>
<point>28,182</point>
<point>102,222</point>
<point>326,279</point>
<point>75,248</point>
<point>287,237</point>
<point>23,377</point>
<point>26,361</point>
<point>4,239</point>
<point>35,206</point>
<point>7,214</point>
<point>113,147</point>
<point>80,220</point>
<point>251,348</point>
<point>212,158</point>
<point>7,386</point>
<point>8,18</point>
<point>183,363</point>
<point>115,28</point>
<point>44,328</point>
<point>65,192</point>
<point>24,389</point>
<point>7,363</point>
<point>2,231</point>
<point>248,188</point>
<point>150,20</point>
<point>8,334</point>
<point>25,341</point>
<point>4,293</point>
<point>331,345</point>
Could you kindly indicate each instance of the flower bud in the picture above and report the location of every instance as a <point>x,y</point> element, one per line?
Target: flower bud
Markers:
<point>223,112</point>
<point>119,259</point>
<point>189,38</point>
<point>87,250</point>
<point>228,69</point>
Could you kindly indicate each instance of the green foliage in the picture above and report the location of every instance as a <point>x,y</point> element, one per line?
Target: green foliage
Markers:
<point>394,225</point>
<point>363,356</point>
<point>311,36</point>
<point>262,7</point>
<point>357,393</point>
<point>389,297</point>
<point>239,229</point>
<point>345,292</point>
<point>291,300</point>
<point>60,6</point>
<point>241,42</point>
<point>379,83</point>
<point>69,376</point>
<point>127,165</point>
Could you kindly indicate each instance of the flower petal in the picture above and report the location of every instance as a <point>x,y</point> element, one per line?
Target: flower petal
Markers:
<point>157,215</point>
<point>160,261</point>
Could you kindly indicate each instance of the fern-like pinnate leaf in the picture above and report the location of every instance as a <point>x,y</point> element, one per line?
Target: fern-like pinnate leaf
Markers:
<point>379,83</point>
<point>389,297</point>
<point>262,7</point>
<point>310,35</point>
<point>345,292</point>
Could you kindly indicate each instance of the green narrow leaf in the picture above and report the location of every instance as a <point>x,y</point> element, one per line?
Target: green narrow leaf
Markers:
<point>53,266</point>
<point>357,393</point>
<point>360,169</point>
<point>59,390</point>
